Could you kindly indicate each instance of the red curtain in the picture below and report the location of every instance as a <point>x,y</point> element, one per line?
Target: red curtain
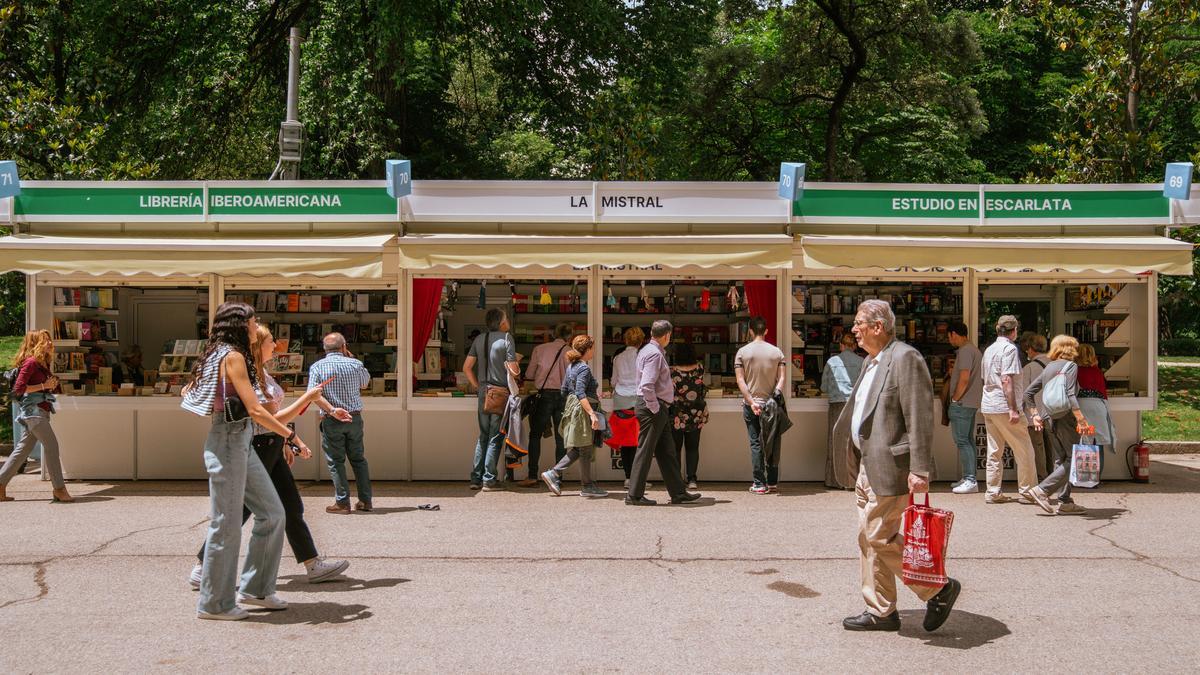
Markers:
<point>427,297</point>
<point>760,300</point>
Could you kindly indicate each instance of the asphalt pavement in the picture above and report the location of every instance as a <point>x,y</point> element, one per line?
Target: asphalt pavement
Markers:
<point>523,581</point>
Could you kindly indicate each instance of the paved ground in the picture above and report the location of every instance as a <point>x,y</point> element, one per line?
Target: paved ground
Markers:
<point>522,581</point>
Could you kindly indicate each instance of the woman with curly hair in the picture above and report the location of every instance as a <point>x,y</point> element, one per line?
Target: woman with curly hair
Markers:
<point>33,391</point>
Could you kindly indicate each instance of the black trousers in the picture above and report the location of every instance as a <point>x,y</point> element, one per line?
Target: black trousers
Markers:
<point>690,441</point>
<point>627,453</point>
<point>270,450</point>
<point>654,441</point>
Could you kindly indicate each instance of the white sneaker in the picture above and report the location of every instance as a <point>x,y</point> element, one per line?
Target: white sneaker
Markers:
<point>235,614</point>
<point>965,487</point>
<point>692,485</point>
<point>195,577</point>
<point>1038,496</point>
<point>272,602</point>
<point>324,570</point>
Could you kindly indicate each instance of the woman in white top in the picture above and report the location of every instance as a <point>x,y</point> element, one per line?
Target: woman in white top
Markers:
<point>623,422</point>
<point>277,458</point>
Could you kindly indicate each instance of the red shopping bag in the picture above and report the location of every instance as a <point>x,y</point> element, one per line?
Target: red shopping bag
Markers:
<point>926,536</point>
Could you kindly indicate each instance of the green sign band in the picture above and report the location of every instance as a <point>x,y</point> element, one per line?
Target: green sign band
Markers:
<point>1097,202</point>
<point>262,201</point>
<point>115,201</point>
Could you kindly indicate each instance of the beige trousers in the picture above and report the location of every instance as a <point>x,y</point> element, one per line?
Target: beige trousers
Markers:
<point>999,433</point>
<point>881,547</point>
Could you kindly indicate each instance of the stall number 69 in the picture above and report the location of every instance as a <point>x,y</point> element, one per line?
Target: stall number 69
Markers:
<point>1173,181</point>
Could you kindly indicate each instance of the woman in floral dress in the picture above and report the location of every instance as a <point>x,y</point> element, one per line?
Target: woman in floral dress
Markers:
<point>690,411</point>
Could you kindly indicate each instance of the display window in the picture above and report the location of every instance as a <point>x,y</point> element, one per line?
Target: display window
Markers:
<point>299,319</point>
<point>823,311</point>
<point>535,307</point>
<point>126,340</point>
<point>1109,317</point>
<point>709,315</point>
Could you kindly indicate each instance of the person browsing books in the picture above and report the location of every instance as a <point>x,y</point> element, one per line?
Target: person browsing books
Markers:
<point>340,440</point>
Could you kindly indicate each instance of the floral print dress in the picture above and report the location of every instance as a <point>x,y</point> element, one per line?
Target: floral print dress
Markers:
<point>690,409</point>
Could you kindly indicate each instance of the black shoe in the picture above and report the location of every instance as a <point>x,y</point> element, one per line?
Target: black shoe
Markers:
<point>937,610</point>
<point>685,498</point>
<point>642,501</point>
<point>868,621</point>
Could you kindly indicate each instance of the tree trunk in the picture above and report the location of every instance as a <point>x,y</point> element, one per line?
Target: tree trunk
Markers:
<point>850,72</point>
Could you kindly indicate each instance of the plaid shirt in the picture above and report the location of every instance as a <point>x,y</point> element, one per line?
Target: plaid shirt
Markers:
<point>349,377</point>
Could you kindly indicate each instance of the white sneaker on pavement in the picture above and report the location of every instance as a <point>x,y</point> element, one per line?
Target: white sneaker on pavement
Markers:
<point>964,487</point>
<point>324,570</point>
<point>996,498</point>
<point>272,602</point>
<point>235,614</point>
<point>1039,497</point>
<point>195,577</point>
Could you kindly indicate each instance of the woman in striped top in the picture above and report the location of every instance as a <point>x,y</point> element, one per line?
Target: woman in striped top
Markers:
<point>235,473</point>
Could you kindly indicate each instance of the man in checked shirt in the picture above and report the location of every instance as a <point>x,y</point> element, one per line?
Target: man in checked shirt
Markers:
<point>343,440</point>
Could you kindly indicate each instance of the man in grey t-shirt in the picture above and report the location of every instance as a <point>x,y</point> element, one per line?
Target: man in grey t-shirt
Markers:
<point>966,393</point>
<point>495,354</point>
<point>761,372</point>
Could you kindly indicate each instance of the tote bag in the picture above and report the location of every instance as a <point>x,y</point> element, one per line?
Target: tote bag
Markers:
<point>926,538</point>
<point>1085,461</point>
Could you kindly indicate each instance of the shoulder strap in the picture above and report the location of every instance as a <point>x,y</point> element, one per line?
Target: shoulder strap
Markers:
<point>487,350</point>
<point>552,364</point>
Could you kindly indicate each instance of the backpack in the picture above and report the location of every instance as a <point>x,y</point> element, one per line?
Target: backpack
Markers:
<point>1054,394</point>
<point>7,379</point>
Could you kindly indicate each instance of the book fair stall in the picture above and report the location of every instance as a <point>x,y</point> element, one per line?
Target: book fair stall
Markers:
<point>127,276</point>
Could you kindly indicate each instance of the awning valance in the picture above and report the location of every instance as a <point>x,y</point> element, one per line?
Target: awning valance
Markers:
<point>994,254</point>
<point>358,257</point>
<point>420,252</point>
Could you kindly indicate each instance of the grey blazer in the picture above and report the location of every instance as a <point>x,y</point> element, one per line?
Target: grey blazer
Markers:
<point>897,426</point>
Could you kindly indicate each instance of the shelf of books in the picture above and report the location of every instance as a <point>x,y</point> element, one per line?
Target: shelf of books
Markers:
<point>822,311</point>
<point>711,315</point>
<point>1098,315</point>
<point>299,320</point>
<point>93,329</point>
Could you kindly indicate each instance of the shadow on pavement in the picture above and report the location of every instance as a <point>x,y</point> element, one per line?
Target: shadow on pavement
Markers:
<point>1100,514</point>
<point>384,510</point>
<point>313,614</point>
<point>963,630</point>
<point>298,583</point>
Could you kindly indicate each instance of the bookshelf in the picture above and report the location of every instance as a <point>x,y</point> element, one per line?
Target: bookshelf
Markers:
<point>823,311</point>
<point>299,320</point>
<point>1099,315</point>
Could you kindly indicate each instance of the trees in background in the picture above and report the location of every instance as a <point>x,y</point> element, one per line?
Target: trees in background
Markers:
<point>924,90</point>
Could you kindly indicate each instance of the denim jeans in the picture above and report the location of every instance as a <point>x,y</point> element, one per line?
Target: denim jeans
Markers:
<point>19,431</point>
<point>235,477</point>
<point>549,410</point>
<point>487,447</point>
<point>31,432</point>
<point>342,441</point>
<point>962,429</point>
<point>763,474</point>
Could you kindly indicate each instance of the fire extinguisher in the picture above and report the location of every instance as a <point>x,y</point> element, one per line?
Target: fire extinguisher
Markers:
<point>1138,458</point>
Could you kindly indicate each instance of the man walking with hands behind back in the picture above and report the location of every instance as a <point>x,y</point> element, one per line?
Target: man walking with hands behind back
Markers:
<point>343,440</point>
<point>1002,414</point>
<point>655,393</point>
<point>888,422</point>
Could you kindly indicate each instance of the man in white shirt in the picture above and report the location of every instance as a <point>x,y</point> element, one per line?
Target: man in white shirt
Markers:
<point>1002,414</point>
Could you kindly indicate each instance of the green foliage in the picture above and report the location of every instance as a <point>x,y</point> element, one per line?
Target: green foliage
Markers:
<point>1186,346</point>
<point>1178,415</point>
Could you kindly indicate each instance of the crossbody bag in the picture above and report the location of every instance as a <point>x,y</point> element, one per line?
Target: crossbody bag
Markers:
<point>531,402</point>
<point>495,399</point>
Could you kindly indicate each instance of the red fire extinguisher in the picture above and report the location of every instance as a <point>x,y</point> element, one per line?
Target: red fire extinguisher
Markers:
<point>1138,458</point>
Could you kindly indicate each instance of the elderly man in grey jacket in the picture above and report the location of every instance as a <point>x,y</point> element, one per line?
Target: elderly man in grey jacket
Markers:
<point>888,424</point>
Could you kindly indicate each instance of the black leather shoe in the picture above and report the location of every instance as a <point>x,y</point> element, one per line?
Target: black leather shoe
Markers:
<point>868,621</point>
<point>937,610</point>
<point>640,502</point>
<point>685,498</point>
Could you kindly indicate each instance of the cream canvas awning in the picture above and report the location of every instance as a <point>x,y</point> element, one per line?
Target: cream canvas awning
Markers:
<point>1006,254</point>
<point>419,252</point>
<point>358,257</point>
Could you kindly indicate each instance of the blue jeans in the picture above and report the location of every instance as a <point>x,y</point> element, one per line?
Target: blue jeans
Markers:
<point>764,473</point>
<point>235,477</point>
<point>487,447</point>
<point>962,429</point>
<point>549,410</point>
<point>342,441</point>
